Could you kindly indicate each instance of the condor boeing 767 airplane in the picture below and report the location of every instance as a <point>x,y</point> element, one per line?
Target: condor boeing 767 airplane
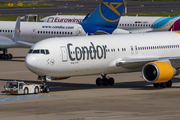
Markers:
<point>107,16</point>
<point>156,54</point>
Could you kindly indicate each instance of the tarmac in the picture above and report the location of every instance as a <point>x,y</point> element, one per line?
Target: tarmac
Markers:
<point>78,98</point>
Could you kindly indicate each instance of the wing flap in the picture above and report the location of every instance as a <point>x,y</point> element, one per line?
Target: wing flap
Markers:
<point>140,62</point>
<point>141,30</point>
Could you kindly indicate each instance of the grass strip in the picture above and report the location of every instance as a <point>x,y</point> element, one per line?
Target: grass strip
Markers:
<point>24,5</point>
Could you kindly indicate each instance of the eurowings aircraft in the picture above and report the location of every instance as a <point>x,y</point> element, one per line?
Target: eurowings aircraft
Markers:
<point>156,54</point>
<point>108,14</point>
<point>130,23</point>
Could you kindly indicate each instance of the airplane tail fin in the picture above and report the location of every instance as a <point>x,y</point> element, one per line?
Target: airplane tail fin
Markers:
<point>16,34</point>
<point>107,14</point>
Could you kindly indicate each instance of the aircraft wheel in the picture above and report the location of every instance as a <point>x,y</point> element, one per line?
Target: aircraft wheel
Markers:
<point>1,56</point>
<point>156,85</point>
<point>10,56</point>
<point>111,81</point>
<point>163,85</point>
<point>105,82</point>
<point>98,81</point>
<point>169,83</point>
<point>6,56</point>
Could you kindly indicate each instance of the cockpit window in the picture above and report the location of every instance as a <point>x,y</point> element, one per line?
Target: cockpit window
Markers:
<point>47,51</point>
<point>39,51</point>
<point>35,51</point>
<point>42,51</point>
<point>30,51</point>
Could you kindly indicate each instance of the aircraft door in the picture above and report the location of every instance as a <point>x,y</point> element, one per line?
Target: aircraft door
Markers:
<point>64,54</point>
<point>50,19</point>
<point>132,50</point>
<point>136,49</point>
<point>33,33</point>
<point>79,31</point>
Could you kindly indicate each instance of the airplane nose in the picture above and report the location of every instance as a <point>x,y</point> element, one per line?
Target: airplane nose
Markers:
<point>30,62</point>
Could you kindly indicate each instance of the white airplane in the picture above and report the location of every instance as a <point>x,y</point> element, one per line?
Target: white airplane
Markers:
<point>108,14</point>
<point>130,23</point>
<point>156,54</point>
<point>63,18</point>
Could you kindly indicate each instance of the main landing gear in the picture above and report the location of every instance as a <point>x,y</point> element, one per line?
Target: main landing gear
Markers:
<point>5,56</point>
<point>44,87</point>
<point>163,85</point>
<point>105,81</point>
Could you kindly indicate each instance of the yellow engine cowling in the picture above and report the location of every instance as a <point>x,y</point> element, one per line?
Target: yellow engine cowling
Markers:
<point>158,72</point>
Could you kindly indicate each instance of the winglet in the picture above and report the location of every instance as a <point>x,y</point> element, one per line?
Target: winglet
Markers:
<point>16,34</point>
<point>87,16</point>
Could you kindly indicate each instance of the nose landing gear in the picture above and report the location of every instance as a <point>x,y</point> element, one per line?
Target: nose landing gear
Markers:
<point>44,86</point>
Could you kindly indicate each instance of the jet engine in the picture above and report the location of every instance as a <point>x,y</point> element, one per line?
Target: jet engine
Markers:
<point>158,72</point>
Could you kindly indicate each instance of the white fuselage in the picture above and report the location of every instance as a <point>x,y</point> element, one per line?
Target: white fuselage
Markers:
<point>89,55</point>
<point>36,31</point>
<point>126,22</point>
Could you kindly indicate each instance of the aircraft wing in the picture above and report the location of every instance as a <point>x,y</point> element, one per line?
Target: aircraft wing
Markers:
<point>7,43</point>
<point>16,34</point>
<point>141,30</point>
<point>140,62</point>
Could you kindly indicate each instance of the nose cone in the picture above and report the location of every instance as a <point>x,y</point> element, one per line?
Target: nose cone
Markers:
<point>31,62</point>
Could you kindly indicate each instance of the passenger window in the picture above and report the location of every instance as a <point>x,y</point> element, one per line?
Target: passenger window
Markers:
<point>42,51</point>
<point>0,30</point>
<point>36,51</point>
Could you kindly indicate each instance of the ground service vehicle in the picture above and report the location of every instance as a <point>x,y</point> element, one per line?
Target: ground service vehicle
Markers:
<point>15,87</point>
